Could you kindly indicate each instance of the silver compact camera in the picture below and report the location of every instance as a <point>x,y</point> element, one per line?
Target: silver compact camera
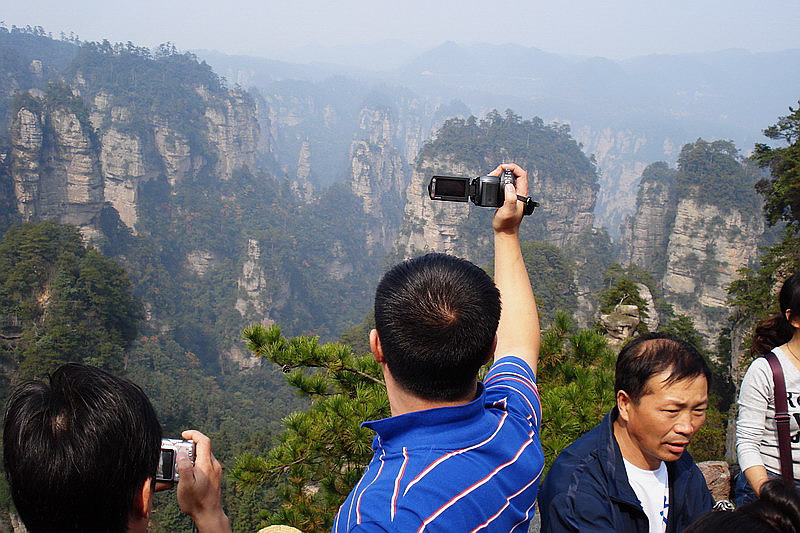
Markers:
<point>167,472</point>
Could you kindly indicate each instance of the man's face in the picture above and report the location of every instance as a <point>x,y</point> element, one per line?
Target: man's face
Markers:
<point>661,425</point>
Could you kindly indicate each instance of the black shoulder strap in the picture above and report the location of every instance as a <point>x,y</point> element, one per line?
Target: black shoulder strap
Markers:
<point>781,419</point>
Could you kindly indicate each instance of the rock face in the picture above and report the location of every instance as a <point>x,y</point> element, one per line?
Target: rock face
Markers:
<point>55,167</point>
<point>123,166</point>
<point>302,185</point>
<point>201,261</point>
<point>621,324</point>
<point>645,235</point>
<point>68,160</point>
<point>254,299</point>
<point>691,237</point>
<point>432,225</point>
<point>378,176</point>
<point>175,153</point>
<point>707,246</point>
<point>232,129</point>
<point>652,319</point>
<point>718,479</point>
<point>567,208</point>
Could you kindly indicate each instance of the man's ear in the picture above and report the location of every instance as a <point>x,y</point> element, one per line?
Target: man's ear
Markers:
<point>490,355</point>
<point>375,346</point>
<point>144,499</point>
<point>624,404</point>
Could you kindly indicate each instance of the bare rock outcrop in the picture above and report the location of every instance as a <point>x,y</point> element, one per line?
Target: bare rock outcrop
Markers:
<point>302,186</point>
<point>123,167</point>
<point>232,129</point>
<point>201,261</point>
<point>707,247</point>
<point>652,319</point>
<point>646,233</point>
<point>621,323</point>
<point>175,152</point>
<point>378,177</point>
<point>718,479</point>
<point>254,300</point>
<point>432,225</point>
<point>55,167</point>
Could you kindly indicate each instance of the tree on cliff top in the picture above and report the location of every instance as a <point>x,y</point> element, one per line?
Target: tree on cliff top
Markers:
<point>752,294</point>
<point>718,175</point>
<point>480,144</point>
<point>782,189</point>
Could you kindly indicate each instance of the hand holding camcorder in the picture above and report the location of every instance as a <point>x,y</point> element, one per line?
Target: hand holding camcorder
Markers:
<point>484,191</point>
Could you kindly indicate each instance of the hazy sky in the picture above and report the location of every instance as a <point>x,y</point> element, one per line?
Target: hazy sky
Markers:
<point>611,28</point>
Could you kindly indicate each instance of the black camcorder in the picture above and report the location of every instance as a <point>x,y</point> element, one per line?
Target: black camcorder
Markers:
<point>484,191</point>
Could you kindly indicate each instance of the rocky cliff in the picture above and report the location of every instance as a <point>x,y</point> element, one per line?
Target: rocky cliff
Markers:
<point>694,227</point>
<point>561,178</point>
<point>379,176</point>
<point>55,165</point>
<point>69,157</point>
<point>621,156</point>
<point>707,246</point>
<point>312,125</point>
<point>645,234</point>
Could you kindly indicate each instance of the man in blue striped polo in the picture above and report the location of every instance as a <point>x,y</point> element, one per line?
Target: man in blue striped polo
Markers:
<point>456,455</point>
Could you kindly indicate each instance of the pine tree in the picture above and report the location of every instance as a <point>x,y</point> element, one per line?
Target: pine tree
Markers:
<point>323,450</point>
<point>752,294</point>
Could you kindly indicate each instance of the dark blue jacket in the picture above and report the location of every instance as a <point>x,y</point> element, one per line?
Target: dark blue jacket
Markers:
<point>587,489</point>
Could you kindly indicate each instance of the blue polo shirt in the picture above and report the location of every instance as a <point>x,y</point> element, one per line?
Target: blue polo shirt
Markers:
<point>472,467</point>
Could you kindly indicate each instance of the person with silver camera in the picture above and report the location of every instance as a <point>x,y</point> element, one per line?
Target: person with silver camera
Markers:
<point>81,451</point>
<point>456,454</point>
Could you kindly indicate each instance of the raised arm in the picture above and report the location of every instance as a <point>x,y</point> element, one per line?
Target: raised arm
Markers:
<point>518,333</point>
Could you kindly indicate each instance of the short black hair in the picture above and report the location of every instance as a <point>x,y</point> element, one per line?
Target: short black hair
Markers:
<point>436,317</point>
<point>653,353</point>
<point>76,450</point>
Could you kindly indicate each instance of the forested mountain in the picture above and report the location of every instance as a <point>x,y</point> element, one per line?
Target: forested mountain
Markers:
<point>695,227</point>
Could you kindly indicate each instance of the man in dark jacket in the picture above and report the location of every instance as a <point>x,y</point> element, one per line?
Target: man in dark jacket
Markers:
<point>631,474</point>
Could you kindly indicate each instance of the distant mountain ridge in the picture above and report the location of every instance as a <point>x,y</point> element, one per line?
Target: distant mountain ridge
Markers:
<point>627,113</point>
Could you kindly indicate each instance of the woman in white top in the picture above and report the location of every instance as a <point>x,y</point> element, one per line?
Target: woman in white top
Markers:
<point>756,434</point>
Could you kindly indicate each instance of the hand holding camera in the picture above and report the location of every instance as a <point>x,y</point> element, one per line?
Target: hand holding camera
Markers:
<point>170,450</point>
<point>190,463</point>
<point>484,191</point>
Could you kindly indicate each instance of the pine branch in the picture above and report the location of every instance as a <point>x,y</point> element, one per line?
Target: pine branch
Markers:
<point>364,375</point>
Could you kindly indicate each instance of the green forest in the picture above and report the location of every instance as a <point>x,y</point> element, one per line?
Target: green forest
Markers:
<point>282,396</point>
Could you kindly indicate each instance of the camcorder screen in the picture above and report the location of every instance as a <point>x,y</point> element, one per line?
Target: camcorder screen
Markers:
<point>451,187</point>
<point>166,464</point>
